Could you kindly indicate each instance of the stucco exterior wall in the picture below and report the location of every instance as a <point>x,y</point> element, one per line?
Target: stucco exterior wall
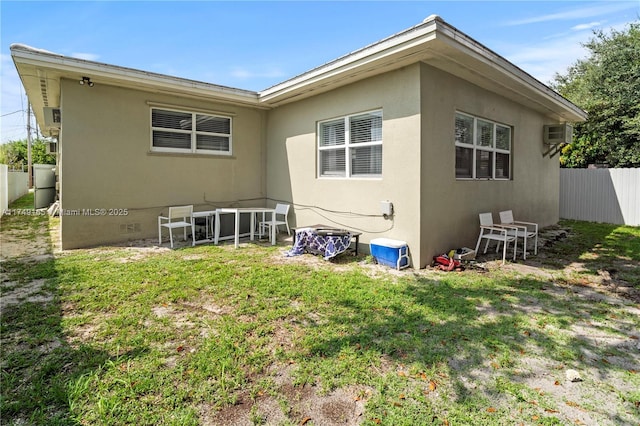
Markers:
<point>292,156</point>
<point>450,207</point>
<point>106,163</point>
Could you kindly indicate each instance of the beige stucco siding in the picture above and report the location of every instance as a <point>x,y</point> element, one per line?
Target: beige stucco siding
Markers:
<point>450,207</point>
<point>352,203</point>
<point>106,163</point>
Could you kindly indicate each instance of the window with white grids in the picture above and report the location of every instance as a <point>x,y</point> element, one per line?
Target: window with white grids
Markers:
<point>190,132</point>
<point>483,148</point>
<point>351,146</point>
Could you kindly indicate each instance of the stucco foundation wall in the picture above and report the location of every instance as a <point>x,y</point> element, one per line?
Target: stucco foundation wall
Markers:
<point>450,207</point>
<point>106,163</point>
<point>352,203</point>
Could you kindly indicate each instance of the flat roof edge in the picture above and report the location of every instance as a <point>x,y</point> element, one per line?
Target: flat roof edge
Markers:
<point>22,53</point>
<point>433,27</point>
<point>390,42</point>
<point>416,37</point>
<point>510,68</point>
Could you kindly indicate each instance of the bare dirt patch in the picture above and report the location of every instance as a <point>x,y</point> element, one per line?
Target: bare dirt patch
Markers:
<point>38,243</point>
<point>19,293</point>
<point>289,403</point>
<point>14,246</point>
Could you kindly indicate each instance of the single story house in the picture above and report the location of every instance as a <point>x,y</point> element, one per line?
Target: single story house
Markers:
<point>427,119</point>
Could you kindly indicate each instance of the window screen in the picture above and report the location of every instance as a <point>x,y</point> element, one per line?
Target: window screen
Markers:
<point>355,137</point>
<point>483,148</point>
<point>188,132</point>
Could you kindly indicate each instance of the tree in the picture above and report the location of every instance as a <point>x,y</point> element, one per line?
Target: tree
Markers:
<point>14,153</point>
<point>607,86</point>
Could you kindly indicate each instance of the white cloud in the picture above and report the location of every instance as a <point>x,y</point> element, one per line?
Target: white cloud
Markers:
<point>543,63</point>
<point>246,74</point>
<point>549,56</point>
<point>85,56</point>
<point>580,13</point>
<point>555,53</point>
<point>582,27</point>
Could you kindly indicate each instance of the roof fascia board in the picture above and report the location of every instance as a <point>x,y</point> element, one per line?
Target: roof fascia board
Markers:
<point>472,48</point>
<point>398,47</point>
<point>401,49</point>
<point>351,62</point>
<point>73,67</point>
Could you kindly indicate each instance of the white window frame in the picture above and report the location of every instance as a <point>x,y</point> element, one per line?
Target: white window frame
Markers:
<point>348,146</point>
<point>194,132</point>
<point>476,147</point>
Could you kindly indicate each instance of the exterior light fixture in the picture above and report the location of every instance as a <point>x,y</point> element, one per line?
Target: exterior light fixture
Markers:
<point>87,81</point>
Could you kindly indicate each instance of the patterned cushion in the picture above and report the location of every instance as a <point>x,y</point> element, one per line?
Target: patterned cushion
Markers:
<point>329,246</point>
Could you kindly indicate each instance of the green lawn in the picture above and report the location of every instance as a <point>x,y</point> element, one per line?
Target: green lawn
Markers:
<point>211,335</point>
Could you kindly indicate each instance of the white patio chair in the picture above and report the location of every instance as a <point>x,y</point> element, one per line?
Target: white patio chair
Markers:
<point>281,210</point>
<point>500,234</point>
<point>179,217</point>
<point>525,230</point>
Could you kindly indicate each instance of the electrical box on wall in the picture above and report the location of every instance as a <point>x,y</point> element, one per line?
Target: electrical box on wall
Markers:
<point>386,208</point>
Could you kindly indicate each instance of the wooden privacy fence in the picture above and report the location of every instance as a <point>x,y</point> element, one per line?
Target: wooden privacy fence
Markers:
<point>601,195</point>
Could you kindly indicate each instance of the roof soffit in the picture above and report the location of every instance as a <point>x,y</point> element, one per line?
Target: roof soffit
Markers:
<point>43,90</point>
<point>33,65</point>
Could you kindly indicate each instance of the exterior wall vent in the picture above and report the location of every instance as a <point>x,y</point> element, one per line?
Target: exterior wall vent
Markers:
<point>130,228</point>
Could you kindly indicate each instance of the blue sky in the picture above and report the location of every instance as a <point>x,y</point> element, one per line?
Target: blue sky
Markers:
<point>253,45</point>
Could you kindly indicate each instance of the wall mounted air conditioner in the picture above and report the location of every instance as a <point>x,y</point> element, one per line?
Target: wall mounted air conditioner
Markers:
<point>52,148</point>
<point>555,134</point>
<point>52,118</point>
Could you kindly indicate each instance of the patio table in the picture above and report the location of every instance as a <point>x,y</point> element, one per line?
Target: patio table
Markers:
<point>208,215</point>
<point>237,211</point>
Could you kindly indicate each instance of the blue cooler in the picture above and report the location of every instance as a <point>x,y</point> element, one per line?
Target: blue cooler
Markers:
<point>393,253</point>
